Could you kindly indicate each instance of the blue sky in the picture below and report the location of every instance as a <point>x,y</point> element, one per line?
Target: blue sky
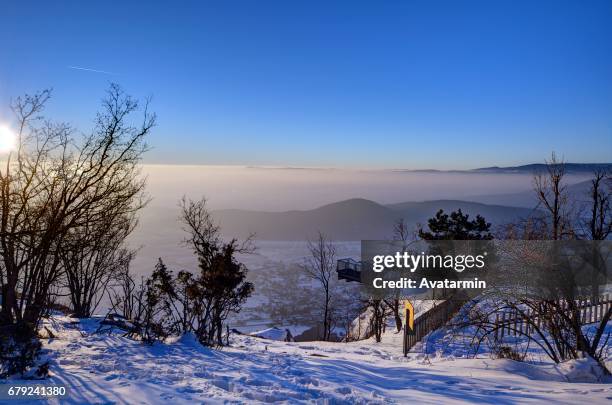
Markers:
<point>389,84</point>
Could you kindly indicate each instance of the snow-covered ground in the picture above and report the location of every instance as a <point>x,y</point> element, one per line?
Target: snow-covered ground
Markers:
<point>103,368</point>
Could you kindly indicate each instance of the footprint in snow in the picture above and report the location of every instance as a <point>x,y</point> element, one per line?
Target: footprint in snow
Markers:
<point>344,390</point>
<point>190,390</point>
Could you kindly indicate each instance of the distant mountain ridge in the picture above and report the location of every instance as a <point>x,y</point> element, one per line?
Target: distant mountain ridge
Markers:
<point>537,167</point>
<point>353,219</point>
<point>570,168</point>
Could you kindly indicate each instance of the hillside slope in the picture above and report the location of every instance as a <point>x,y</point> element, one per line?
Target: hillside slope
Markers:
<point>353,219</point>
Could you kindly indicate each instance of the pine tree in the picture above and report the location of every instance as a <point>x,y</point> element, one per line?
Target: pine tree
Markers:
<point>457,226</point>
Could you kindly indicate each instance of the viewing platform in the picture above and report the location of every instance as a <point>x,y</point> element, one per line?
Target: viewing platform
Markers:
<point>349,270</point>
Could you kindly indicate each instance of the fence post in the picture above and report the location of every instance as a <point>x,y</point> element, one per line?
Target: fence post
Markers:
<point>599,311</point>
<point>405,341</point>
<point>496,326</point>
<point>590,313</point>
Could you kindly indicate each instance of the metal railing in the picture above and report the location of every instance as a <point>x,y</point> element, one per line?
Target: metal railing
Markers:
<point>349,270</point>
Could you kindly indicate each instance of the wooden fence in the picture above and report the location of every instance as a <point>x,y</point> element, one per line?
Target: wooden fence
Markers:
<point>431,320</point>
<point>510,323</point>
<point>506,323</point>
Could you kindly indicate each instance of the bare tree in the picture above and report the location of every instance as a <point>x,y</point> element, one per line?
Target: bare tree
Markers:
<point>379,311</point>
<point>93,256</point>
<point>202,232</point>
<point>321,266</point>
<point>552,195</point>
<point>124,295</point>
<point>143,310</point>
<point>598,228</point>
<point>598,220</point>
<point>550,314</point>
<point>56,183</point>
<point>402,234</point>
<point>553,325</point>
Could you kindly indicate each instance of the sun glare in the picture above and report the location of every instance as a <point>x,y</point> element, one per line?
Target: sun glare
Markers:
<point>8,139</point>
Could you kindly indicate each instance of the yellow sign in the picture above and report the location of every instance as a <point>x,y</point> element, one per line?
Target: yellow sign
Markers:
<point>409,315</point>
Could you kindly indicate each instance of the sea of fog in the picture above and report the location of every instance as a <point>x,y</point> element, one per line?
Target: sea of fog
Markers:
<point>280,189</point>
<point>159,233</point>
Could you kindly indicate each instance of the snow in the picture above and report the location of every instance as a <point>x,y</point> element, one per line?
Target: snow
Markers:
<point>458,341</point>
<point>108,368</point>
<point>582,370</point>
<point>283,335</point>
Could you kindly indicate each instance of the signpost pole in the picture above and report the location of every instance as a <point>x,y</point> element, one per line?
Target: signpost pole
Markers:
<point>408,324</point>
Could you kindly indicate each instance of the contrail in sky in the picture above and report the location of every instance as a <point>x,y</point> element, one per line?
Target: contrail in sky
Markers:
<point>90,70</point>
